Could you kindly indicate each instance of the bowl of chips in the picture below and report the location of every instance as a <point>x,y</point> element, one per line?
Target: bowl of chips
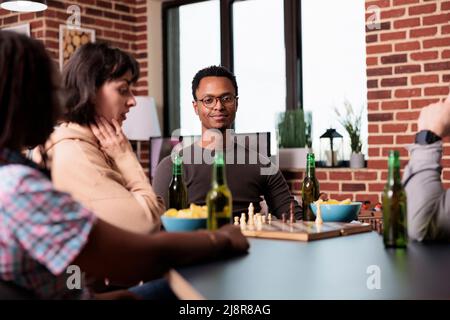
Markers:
<point>337,211</point>
<point>192,218</point>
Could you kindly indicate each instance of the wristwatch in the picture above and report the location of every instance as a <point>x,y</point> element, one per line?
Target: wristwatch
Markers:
<point>425,137</point>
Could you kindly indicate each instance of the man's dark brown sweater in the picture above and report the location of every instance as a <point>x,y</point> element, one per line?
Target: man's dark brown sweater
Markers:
<point>247,182</point>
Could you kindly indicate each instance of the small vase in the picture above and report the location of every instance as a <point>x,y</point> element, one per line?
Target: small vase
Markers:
<point>357,160</point>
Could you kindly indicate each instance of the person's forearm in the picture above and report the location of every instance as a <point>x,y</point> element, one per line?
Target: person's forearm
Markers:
<point>428,205</point>
<point>127,258</point>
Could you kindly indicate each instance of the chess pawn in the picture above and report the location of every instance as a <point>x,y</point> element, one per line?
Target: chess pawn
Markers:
<point>242,221</point>
<point>269,218</point>
<point>236,221</point>
<point>319,220</point>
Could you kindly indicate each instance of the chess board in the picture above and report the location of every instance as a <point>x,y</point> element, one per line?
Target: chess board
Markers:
<point>304,231</point>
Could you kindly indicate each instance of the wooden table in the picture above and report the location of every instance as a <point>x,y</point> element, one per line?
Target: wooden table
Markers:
<point>337,268</point>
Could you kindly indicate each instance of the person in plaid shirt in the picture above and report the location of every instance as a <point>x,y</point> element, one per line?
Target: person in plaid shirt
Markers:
<point>43,231</point>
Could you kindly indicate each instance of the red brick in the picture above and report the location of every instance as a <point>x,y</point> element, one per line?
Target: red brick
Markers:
<point>373,117</point>
<point>436,19</point>
<point>443,42</point>
<point>365,175</point>
<point>380,140</point>
<point>446,77</point>
<point>373,128</point>
<point>104,4</point>
<point>36,24</point>
<point>10,20</point>
<point>408,69</point>
<point>403,2</point>
<point>394,82</point>
<point>329,186</point>
<point>421,56</point>
<point>437,91</point>
<point>445,29</point>
<point>374,152</point>
<point>321,175</point>
<point>407,46</point>
<point>380,48</point>
<point>438,66</point>
<point>390,128</point>
<point>378,95</point>
<point>378,3</point>
<point>395,58</point>
<point>372,83</point>
<point>427,8</point>
<point>414,127</point>
<point>394,105</point>
<point>416,104</point>
<point>406,93</point>
<point>407,139</point>
<point>394,13</point>
<point>386,71</point>
<point>377,164</point>
<point>411,115</point>
<point>424,79</point>
<point>376,187</point>
<point>424,32</point>
<point>26,16</point>
<point>353,187</point>
<point>340,176</point>
<point>371,38</point>
<point>393,36</point>
<point>407,23</point>
<point>373,106</point>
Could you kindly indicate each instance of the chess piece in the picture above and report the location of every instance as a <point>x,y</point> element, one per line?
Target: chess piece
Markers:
<point>269,218</point>
<point>236,221</point>
<point>283,217</point>
<point>319,220</point>
<point>251,209</point>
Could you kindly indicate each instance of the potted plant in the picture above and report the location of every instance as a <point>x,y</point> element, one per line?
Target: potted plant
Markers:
<point>292,131</point>
<point>352,124</point>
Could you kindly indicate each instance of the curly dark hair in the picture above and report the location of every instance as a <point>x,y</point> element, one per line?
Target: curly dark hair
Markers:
<point>90,67</point>
<point>29,105</point>
<point>213,71</point>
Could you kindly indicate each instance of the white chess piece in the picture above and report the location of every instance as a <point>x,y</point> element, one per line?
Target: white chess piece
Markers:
<point>319,220</point>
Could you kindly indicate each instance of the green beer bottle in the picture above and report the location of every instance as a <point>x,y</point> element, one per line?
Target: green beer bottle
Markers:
<point>178,198</point>
<point>218,199</point>
<point>310,188</point>
<point>394,206</point>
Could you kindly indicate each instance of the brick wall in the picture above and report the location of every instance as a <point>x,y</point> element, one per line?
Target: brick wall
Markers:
<point>122,23</point>
<point>408,67</point>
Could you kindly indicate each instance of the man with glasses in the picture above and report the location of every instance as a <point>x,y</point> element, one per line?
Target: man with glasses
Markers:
<point>215,94</point>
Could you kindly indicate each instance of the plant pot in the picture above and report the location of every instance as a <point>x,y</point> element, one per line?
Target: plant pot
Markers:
<point>292,158</point>
<point>357,160</point>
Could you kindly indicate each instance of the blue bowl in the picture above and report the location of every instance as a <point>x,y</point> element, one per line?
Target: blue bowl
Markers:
<point>338,212</point>
<point>173,224</point>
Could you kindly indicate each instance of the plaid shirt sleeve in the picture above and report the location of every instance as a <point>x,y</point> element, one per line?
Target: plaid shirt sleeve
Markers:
<point>49,225</point>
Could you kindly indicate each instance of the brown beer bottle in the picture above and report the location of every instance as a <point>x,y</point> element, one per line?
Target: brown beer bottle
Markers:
<point>310,188</point>
<point>395,233</point>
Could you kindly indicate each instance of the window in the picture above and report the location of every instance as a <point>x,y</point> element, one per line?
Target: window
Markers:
<point>285,55</point>
<point>334,64</point>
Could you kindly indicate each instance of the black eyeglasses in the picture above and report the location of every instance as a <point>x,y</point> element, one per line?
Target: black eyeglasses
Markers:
<point>227,100</point>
